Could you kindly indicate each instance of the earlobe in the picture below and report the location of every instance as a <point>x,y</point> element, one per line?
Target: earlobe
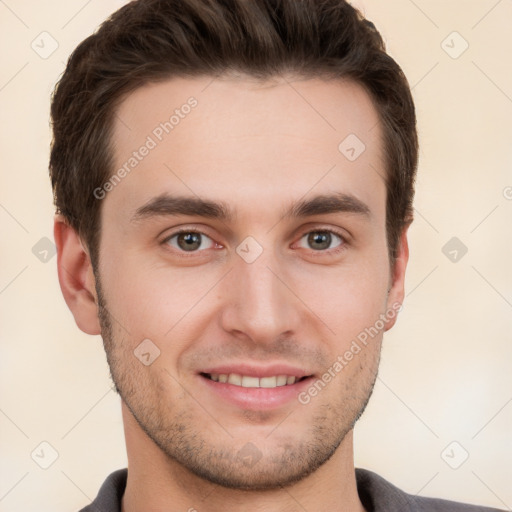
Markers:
<point>76,276</point>
<point>396,291</point>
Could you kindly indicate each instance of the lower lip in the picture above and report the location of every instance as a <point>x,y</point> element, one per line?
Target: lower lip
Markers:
<point>257,399</point>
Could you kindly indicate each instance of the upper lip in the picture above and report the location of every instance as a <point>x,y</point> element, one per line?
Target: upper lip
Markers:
<point>252,370</point>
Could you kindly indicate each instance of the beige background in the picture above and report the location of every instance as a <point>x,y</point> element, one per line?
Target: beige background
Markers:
<point>445,373</point>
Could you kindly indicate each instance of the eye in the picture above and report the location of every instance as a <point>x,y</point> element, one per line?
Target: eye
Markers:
<point>189,241</point>
<point>321,240</point>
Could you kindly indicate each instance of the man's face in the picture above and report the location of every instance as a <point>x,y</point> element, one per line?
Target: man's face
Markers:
<point>258,298</point>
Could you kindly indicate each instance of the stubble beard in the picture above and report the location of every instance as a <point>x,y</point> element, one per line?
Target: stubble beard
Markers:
<point>212,457</point>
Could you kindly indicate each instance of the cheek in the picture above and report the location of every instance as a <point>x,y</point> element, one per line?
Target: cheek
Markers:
<point>149,300</point>
<point>347,299</point>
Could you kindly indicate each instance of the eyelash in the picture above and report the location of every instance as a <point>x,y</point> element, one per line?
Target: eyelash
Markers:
<point>335,251</point>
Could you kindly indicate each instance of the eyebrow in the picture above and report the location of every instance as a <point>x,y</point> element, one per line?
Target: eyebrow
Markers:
<point>329,203</point>
<point>168,205</point>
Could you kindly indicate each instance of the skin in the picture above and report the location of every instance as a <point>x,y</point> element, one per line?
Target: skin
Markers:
<point>259,147</point>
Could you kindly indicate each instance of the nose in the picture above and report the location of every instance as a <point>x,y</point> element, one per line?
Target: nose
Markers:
<point>259,304</point>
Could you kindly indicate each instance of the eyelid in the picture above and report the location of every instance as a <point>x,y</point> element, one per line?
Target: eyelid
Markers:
<point>185,229</point>
<point>345,240</point>
<point>342,233</point>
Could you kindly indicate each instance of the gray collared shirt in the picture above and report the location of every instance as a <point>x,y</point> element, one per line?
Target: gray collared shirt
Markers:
<point>376,494</point>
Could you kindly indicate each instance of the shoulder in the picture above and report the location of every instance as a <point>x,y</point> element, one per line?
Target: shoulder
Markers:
<point>110,494</point>
<point>379,495</point>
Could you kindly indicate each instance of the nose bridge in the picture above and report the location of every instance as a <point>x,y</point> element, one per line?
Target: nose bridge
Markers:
<point>259,303</point>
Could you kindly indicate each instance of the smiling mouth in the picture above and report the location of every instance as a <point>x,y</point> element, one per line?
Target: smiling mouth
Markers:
<point>246,381</point>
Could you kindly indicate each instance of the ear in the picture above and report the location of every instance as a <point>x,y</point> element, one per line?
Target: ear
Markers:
<point>397,281</point>
<point>76,276</point>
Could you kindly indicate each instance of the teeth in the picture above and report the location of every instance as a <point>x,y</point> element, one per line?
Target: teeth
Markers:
<point>268,382</point>
<point>246,381</point>
<point>235,379</point>
<point>282,380</point>
<point>250,382</point>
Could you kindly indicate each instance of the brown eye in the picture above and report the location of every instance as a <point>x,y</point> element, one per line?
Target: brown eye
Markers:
<point>189,241</point>
<point>322,240</point>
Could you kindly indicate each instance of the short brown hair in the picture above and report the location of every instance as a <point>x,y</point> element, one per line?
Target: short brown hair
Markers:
<point>153,40</point>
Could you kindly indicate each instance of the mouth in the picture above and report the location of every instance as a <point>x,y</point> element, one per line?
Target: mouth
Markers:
<point>248,381</point>
<point>249,387</point>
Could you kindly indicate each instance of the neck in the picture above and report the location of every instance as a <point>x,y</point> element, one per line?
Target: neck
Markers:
<point>158,483</point>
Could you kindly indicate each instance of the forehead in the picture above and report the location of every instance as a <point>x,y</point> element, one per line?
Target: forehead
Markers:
<point>246,142</point>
